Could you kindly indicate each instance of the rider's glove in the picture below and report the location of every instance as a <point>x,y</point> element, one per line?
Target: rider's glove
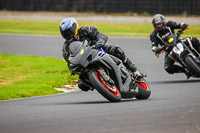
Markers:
<point>100,43</point>
<point>184,26</point>
<point>158,50</point>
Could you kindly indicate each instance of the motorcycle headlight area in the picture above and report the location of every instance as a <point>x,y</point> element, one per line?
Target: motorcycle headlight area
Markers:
<point>178,48</point>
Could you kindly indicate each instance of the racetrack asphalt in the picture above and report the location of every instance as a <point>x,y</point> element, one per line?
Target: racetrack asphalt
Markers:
<point>174,106</point>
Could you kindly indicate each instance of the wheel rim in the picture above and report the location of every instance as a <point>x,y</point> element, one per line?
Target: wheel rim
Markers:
<point>143,85</point>
<point>113,89</point>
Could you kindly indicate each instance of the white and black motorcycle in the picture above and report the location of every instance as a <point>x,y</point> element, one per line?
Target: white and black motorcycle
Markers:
<point>105,73</point>
<point>186,55</point>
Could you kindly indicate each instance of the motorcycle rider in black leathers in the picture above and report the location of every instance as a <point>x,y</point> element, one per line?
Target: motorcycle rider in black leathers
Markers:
<point>162,28</point>
<point>70,31</point>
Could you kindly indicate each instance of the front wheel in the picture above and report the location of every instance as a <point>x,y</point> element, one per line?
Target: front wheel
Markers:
<point>193,65</point>
<point>109,92</point>
<point>144,91</point>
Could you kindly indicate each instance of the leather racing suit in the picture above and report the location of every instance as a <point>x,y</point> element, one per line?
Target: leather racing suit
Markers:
<point>157,39</point>
<point>91,34</point>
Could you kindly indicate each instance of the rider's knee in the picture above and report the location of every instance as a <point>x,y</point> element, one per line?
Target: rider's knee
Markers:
<point>169,69</point>
<point>195,41</point>
<point>83,86</point>
<point>116,51</point>
<point>120,53</point>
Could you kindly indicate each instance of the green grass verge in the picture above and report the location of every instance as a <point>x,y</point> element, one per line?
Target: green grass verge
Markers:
<point>27,76</point>
<point>108,28</point>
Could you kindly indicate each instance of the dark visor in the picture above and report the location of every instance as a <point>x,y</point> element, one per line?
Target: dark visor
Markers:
<point>68,34</point>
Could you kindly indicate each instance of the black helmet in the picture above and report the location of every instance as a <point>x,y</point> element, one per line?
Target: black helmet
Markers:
<point>159,22</point>
<point>68,28</point>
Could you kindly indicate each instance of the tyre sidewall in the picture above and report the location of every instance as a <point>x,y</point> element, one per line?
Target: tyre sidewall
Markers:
<point>192,65</point>
<point>143,93</point>
<point>102,90</point>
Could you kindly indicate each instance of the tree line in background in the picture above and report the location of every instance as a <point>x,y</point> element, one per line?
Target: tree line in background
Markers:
<point>170,7</point>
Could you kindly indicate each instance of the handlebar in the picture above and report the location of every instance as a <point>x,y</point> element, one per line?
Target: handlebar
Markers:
<point>182,31</point>
<point>187,28</point>
<point>157,55</point>
<point>161,50</point>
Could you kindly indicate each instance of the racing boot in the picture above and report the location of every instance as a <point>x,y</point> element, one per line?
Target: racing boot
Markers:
<point>131,67</point>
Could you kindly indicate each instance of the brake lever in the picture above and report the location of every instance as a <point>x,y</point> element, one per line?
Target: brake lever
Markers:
<point>160,52</point>
<point>157,55</point>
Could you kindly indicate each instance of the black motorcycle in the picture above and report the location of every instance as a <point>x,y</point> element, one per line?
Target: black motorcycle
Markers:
<point>186,55</point>
<point>105,73</point>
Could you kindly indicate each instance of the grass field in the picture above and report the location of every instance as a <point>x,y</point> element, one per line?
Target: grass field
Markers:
<point>26,76</point>
<point>108,28</point>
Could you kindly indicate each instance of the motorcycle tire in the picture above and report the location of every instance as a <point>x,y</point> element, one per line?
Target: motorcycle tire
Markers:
<point>103,89</point>
<point>190,62</point>
<point>144,91</point>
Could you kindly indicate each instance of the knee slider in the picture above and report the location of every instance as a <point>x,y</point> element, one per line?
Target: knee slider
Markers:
<point>169,69</point>
<point>120,53</point>
<point>82,86</point>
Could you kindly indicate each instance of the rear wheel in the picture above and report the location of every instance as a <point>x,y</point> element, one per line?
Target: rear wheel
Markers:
<point>109,92</point>
<point>144,90</point>
<point>193,65</point>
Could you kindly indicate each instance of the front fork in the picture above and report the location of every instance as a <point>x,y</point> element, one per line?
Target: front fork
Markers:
<point>106,77</point>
